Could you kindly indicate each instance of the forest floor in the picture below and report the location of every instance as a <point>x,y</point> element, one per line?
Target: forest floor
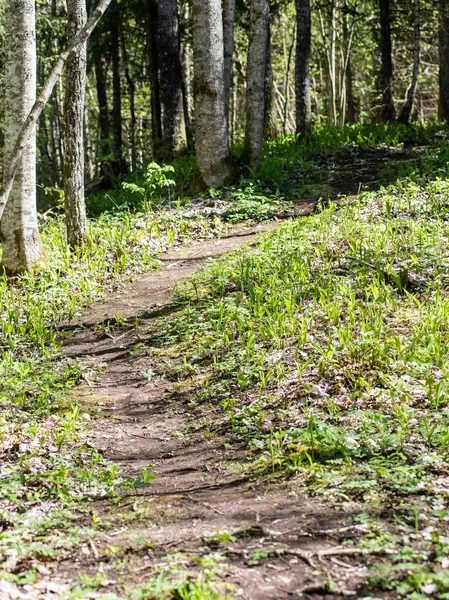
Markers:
<point>268,431</point>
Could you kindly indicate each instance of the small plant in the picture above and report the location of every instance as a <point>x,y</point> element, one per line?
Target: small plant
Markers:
<point>156,182</point>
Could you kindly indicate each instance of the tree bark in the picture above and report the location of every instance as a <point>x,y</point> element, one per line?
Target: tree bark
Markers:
<point>132,100</point>
<point>404,117</point>
<point>102,98</point>
<point>153,64</point>
<point>350,104</point>
<point>269,125</point>
<point>211,131</point>
<point>386,70</point>
<point>119,163</point>
<point>28,127</point>
<point>169,73</point>
<point>228,45</point>
<point>302,74</point>
<point>443,102</point>
<point>19,234</point>
<point>186,82</point>
<point>347,106</point>
<point>255,82</point>
<point>75,89</point>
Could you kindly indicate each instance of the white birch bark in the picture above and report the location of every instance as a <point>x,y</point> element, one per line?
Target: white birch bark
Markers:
<point>75,89</point>
<point>211,131</point>
<point>26,131</point>
<point>255,81</point>
<point>21,246</point>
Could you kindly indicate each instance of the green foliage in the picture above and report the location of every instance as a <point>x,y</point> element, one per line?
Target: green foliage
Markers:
<point>249,203</point>
<point>176,582</point>
<point>155,183</point>
<point>327,344</point>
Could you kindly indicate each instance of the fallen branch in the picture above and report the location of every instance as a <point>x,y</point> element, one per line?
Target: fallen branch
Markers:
<point>205,504</point>
<point>307,555</point>
<point>42,99</point>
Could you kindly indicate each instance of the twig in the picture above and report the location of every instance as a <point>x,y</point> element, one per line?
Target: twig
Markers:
<point>143,437</point>
<point>94,549</point>
<point>204,504</point>
<point>307,555</point>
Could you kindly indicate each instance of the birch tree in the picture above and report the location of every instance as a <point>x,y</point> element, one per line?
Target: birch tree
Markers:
<point>255,81</point>
<point>75,85</point>
<point>19,235</point>
<point>25,132</point>
<point>211,131</point>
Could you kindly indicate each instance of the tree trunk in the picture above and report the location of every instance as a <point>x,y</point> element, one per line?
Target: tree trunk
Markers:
<point>89,164</point>
<point>404,117</point>
<point>211,132</point>
<point>169,73</point>
<point>228,44</point>
<point>186,83</point>
<point>132,100</point>
<point>22,249</point>
<point>153,64</point>
<point>26,131</point>
<point>350,104</point>
<point>102,95</point>
<point>302,75</point>
<point>255,82</point>
<point>386,70</point>
<point>347,108</point>
<point>443,103</point>
<point>287,81</point>
<point>119,163</point>
<point>269,125</point>
<point>75,89</point>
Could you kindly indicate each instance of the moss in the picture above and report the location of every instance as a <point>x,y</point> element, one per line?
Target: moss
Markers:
<point>202,88</point>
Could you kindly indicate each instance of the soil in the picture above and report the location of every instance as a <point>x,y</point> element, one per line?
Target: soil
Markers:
<point>200,489</point>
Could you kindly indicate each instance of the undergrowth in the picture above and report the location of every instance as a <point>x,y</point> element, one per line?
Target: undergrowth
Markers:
<point>324,349</point>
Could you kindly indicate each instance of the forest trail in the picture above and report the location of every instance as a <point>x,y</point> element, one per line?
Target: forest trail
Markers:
<point>198,493</point>
<point>201,494</point>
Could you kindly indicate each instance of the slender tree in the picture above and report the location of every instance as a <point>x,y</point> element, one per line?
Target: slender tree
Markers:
<point>386,70</point>
<point>153,65</point>
<point>255,81</point>
<point>228,45</point>
<point>169,73</point>
<point>404,117</point>
<point>75,85</point>
<point>211,132</point>
<point>132,100</point>
<point>116,121</point>
<point>443,102</point>
<point>302,74</point>
<point>19,235</point>
<point>100,68</point>
<point>269,126</point>
<point>186,79</point>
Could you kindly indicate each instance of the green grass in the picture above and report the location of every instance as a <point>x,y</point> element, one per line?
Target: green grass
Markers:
<point>349,308</point>
<point>323,350</point>
<point>44,459</point>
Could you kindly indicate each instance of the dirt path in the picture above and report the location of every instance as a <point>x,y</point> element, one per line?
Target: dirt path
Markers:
<point>199,491</point>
